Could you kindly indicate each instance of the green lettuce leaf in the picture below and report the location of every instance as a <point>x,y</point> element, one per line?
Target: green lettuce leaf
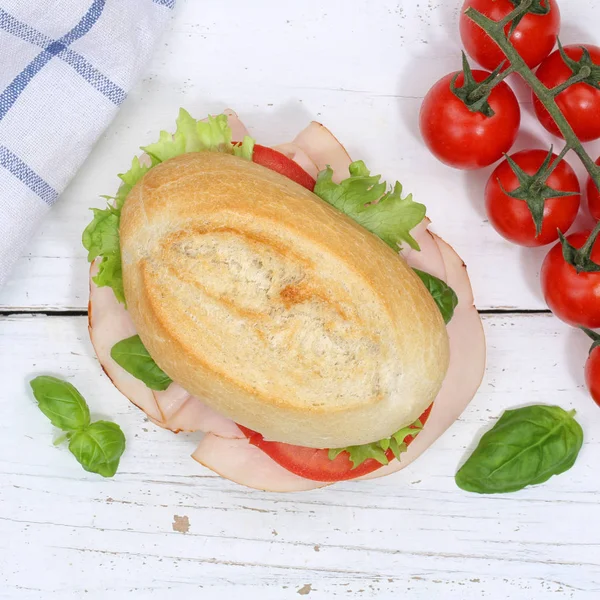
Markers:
<point>366,200</point>
<point>110,274</point>
<point>130,178</point>
<point>363,197</point>
<point>101,236</point>
<point>213,135</point>
<point>377,450</point>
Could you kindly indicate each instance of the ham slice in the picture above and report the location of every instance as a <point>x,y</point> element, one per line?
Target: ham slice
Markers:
<point>458,278</point>
<point>466,369</point>
<point>109,323</point>
<point>224,449</point>
<point>315,147</point>
<point>323,149</point>
<point>238,129</point>
<point>183,412</point>
<point>245,464</point>
<point>428,258</point>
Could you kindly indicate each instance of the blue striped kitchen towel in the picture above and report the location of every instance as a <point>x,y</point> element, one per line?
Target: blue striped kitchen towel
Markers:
<point>65,67</point>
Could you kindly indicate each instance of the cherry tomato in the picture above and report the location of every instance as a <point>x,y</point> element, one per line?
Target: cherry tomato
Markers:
<point>572,297</point>
<point>533,38</point>
<point>592,374</point>
<point>593,197</point>
<point>511,217</point>
<point>276,161</point>
<point>579,103</point>
<point>464,139</point>
<point>314,463</point>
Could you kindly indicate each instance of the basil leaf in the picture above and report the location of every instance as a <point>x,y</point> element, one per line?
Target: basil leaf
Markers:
<point>445,297</point>
<point>99,447</point>
<point>525,447</point>
<point>131,354</point>
<point>61,403</point>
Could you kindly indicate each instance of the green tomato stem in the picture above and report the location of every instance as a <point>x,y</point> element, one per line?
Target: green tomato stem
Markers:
<point>485,88</point>
<point>586,249</point>
<point>60,439</point>
<point>555,163</point>
<point>495,30</point>
<point>513,14</point>
<point>583,74</point>
<point>595,337</point>
<point>591,334</point>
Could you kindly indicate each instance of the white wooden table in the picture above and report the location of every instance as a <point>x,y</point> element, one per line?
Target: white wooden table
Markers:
<point>166,528</point>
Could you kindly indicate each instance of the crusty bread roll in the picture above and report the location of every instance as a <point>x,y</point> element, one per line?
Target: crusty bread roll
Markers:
<point>276,309</point>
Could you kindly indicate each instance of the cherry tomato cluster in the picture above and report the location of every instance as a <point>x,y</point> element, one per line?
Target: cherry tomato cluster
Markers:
<point>470,119</point>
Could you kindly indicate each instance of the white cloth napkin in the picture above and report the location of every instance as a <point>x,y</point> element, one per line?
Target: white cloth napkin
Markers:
<point>65,67</point>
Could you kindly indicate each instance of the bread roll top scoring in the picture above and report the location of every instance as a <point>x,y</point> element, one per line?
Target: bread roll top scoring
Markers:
<point>274,308</point>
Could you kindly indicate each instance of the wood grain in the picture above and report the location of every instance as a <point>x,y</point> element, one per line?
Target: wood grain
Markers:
<point>413,532</point>
<point>361,68</point>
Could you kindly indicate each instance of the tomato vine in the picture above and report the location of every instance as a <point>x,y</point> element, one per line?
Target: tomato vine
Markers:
<point>495,30</point>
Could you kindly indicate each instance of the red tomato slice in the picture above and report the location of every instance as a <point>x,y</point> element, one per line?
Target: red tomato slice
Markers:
<point>280,163</point>
<point>314,463</point>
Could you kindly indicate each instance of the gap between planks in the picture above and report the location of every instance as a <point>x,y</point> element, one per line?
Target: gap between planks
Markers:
<point>15,312</point>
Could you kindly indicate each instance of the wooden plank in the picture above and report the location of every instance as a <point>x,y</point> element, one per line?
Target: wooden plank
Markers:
<point>68,534</point>
<point>361,68</point>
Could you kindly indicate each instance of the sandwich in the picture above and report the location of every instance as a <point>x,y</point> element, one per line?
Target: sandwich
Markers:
<point>284,302</point>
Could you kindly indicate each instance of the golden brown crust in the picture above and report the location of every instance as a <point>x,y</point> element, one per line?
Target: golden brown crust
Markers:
<point>290,318</point>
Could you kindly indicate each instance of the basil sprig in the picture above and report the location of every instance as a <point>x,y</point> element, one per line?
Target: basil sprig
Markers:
<point>444,296</point>
<point>97,446</point>
<point>131,354</point>
<point>525,447</point>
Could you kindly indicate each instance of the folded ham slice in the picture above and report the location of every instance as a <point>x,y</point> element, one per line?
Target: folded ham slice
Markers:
<point>224,449</point>
<point>183,412</point>
<point>428,258</point>
<point>315,148</point>
<point>324,149</point>
<point>109,323</point>
<point>466,369</point>
<point>245,464</point>
<point>238,129</point>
